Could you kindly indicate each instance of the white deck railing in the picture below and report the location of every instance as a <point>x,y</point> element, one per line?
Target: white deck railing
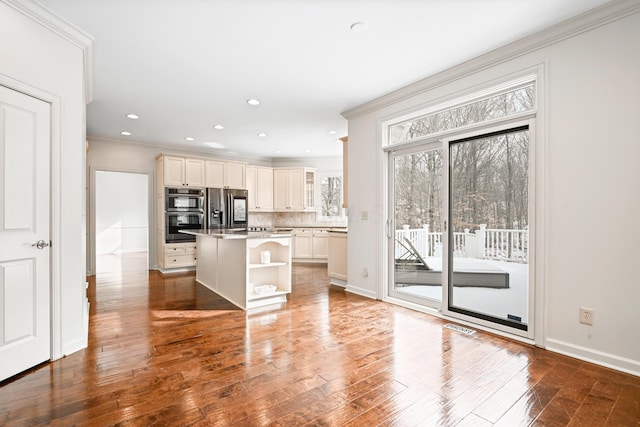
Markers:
<point>496,244</point>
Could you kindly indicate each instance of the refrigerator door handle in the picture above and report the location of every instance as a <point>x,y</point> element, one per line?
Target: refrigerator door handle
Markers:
<point>229,209</point>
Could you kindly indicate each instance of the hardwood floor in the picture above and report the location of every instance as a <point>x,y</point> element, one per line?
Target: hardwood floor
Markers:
<point>165,351</point>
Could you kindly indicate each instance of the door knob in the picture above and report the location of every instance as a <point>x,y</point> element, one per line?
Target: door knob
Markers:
<point>40,244</point>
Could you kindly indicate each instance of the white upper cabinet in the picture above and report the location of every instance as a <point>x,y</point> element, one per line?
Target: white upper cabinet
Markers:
<point>293,189</point>
<point>194,172</point>
<point>214,172</point>
<point>221,174</point>
<point>260,188</point>
<point>236,175</point>
<point>177,171</point>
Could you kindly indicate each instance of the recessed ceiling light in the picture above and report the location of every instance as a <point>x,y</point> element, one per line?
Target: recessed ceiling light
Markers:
<point>332,132</point>
<point>188,138</point>
<point>133,116</point>
<point>262,135</point>
<point>253,101</point>
<point>213,144</point>
<point>359,27</point>
<point>219,127</point>
<point>307,151</point>
<point>125,133</point>
<point>277,151</point>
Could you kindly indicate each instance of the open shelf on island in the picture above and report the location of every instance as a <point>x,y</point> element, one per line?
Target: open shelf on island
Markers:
<point>254,296</point>
<point>276,273</point>
<point>271,264</point>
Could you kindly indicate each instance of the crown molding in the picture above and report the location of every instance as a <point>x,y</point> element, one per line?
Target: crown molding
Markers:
<point>572,27</point>
<point>64,29</point>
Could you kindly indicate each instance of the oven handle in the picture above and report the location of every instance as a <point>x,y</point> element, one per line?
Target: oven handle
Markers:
<point>185,210</point>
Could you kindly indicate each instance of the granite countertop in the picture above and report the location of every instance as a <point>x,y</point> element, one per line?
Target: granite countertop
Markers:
<point>235,234</point>
<point>329,227</point>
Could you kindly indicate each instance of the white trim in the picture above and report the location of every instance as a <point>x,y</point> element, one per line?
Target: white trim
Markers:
<point>175,270</point>
<point>541,211</point>
<point>594,356</point>
<point>361,291</point>
<point>65,30</point>
<point>72,347</point>
<point>584,22</point>
<point>57,216</point>
<point>338,282</point>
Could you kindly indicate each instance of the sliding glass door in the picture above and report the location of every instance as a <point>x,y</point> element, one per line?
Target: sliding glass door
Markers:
<point>488,235</point>
<point>415,232</point>
<point>459,217</point>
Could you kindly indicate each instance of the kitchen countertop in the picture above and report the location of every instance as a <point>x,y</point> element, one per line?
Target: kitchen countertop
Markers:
<point>329,227</point>
<point>236,234</point>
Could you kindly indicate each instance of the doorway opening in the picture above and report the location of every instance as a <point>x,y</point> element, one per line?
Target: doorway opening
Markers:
<point>121,222</point>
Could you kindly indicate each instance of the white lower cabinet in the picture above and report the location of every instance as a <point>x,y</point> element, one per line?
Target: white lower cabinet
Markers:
<point>321,244</point>
<point>337,264</point>
<point>302,243</point>
<point>177,255</point>
<point>310,245</point>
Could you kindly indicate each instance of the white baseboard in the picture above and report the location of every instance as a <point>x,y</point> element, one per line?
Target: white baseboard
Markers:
<point>360,291</point>
<point>74,346</point>
<point>594,356</point>
<point>176,270</point>
<point>338,282</point>
<point>309,260</point>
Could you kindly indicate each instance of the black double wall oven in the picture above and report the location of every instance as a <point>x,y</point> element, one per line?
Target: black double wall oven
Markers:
<point>184,210</point>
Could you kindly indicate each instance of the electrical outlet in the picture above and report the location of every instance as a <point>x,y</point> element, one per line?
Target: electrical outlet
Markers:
<point>586,316</point>
<point>365,272</point>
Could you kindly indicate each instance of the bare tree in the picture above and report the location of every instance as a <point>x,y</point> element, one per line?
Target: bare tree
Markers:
<point>331,187</point>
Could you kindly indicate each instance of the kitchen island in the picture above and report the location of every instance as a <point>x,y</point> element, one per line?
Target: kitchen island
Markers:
<point>248,268</point>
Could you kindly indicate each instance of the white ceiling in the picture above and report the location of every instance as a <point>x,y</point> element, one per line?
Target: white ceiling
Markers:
<point>186,65</point>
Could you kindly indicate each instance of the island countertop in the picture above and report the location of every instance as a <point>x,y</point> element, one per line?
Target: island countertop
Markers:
<point>235,234</point>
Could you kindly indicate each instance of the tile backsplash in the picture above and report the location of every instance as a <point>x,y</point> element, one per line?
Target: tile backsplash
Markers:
<point>290,219</point>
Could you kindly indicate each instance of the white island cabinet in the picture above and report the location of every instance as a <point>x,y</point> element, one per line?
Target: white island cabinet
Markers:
<point>249,269</point>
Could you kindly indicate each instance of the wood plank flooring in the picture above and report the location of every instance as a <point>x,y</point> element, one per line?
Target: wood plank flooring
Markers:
<point>166,351</point>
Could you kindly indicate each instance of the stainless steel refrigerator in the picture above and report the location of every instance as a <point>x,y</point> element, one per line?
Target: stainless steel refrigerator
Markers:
<point>227,208</point>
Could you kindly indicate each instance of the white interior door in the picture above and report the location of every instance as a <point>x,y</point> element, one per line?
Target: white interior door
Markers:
<point>25,331</point>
